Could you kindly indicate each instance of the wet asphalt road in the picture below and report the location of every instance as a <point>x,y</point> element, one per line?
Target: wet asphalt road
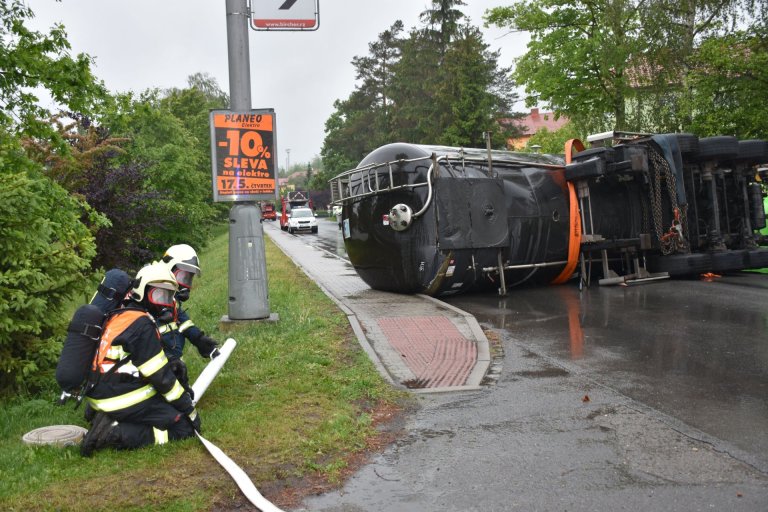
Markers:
<point>646,397</point>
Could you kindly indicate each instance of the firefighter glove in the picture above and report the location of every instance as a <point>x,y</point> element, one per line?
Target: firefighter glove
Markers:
<point>194,418</point>
<point>206,345</point>
<point>179,369</point>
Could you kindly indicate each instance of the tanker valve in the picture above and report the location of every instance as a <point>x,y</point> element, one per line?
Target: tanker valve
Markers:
<point>400,217</point>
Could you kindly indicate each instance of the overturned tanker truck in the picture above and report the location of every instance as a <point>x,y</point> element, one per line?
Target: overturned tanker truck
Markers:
<point>634,207</point>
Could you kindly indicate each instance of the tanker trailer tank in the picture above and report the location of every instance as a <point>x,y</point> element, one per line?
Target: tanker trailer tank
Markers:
<point>442,220</point>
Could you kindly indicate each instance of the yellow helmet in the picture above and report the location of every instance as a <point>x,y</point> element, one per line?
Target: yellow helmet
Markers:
<point>158,276</point>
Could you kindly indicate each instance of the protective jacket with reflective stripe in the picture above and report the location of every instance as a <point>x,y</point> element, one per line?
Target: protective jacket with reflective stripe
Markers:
<point>175,333</point>
<point>133,335</point>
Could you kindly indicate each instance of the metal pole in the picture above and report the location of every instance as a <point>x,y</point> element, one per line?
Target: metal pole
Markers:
<point>248,295</point>
<point>287,161</point>
<point>239,57</point>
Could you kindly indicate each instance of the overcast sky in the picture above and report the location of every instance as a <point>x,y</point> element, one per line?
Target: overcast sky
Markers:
<point>140,44</point>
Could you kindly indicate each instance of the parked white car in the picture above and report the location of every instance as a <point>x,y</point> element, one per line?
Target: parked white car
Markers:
<point>302,219</point>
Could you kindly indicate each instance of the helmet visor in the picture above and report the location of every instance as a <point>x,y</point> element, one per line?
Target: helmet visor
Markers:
<point>160,296</point>
<point>183,277</point>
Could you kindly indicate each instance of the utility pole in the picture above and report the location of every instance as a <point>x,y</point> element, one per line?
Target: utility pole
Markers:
<point>287,161</point>
<point>248,295</point>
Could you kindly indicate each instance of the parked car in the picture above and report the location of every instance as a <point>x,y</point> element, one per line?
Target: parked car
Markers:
<point>302,220</point>
<point>443,220</point>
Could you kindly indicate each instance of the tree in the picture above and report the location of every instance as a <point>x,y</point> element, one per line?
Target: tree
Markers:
<point>439,85</point>
<point>31,62</point>
<point>729,86</point>
<point>169,158</point>
<point>443,21</point>
<point>553,142</point>
<point>375,74</point>
<point>45,246</point>
<point>616,63</point>
<point>45,255</point>
<point>414,83</point>
<point>192,106</point>
<point>476,94</point>
<point>577,56</point>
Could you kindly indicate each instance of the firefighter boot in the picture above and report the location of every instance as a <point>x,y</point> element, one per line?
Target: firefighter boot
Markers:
<point>103,433</point>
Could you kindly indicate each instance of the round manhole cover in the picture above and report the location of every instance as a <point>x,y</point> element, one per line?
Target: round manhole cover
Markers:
<point>59,435</point>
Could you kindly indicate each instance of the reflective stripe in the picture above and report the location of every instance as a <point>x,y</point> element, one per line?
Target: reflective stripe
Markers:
<point>186,325</point>
<point>193,415</point>
<point>168,327</point>
<point>161,436</point>
<point>130,369</point>
<point>116,352</point>
<point>106,366</point>
<point>123,401</point>
<point>154,364</point>
<point>176,391</point>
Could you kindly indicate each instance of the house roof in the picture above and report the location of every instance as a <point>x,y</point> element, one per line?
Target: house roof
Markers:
<point>536,120</point>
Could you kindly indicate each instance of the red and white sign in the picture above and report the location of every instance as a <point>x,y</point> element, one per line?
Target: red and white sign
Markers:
<point>285,14</point>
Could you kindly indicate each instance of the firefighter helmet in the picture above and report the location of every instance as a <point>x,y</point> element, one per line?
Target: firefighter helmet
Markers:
<point>155,276</point>
<point>183,257</point>
<point>183,263</point>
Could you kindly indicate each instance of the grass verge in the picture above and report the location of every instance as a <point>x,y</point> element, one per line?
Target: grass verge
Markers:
<point>295,406</point>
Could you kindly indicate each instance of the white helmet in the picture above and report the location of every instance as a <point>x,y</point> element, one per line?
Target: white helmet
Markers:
<point>183,257</point>
<point>183,263</point>
<point>156,284</point>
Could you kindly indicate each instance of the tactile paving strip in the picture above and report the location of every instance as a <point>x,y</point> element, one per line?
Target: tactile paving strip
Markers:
<point>433,348</point>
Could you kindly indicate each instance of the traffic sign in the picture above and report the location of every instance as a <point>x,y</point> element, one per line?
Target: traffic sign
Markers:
<point>285,14</point>
<point>243,155</point>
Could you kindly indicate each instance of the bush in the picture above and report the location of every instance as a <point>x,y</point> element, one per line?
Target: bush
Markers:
<point>45,254</point>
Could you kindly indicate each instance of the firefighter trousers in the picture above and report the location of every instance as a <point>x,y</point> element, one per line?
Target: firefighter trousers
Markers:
<point>155,422</point>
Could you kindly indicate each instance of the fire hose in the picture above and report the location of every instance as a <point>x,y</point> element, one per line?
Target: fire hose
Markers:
<point>240,477</point>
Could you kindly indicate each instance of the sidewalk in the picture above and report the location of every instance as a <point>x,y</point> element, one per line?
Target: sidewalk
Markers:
<point>415,341</point>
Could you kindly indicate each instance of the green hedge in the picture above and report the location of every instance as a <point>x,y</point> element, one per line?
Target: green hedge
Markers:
<point>45,254</point>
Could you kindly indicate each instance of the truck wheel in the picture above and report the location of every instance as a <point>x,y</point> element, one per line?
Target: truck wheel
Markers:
<point>680,264</point>
<point>758,258</point>
<point>718,148</point>
<point>730,261</point>
<point>753,151</point>
<point>314,229</point>
<point>689,144</point>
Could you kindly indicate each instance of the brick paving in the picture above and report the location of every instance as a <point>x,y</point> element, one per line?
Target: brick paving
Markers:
<point>433,348</point>
<point>415,341</point>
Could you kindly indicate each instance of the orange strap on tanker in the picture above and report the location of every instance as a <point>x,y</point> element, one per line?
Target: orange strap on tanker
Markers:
<point>574,241</point>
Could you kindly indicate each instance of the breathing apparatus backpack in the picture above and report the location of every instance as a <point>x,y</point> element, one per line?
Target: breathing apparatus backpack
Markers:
<point>84,332</point>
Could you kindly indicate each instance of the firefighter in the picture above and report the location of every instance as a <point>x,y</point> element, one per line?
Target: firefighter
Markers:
<point>182,261</point>
<point>137,398</point>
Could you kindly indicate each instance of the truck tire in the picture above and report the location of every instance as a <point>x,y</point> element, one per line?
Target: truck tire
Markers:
<point>758,258</point>
<point>688,143</point>
<point>753,152</point>
<point>718,148</point>
<point>680,264</point>
<point>730,261</point>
